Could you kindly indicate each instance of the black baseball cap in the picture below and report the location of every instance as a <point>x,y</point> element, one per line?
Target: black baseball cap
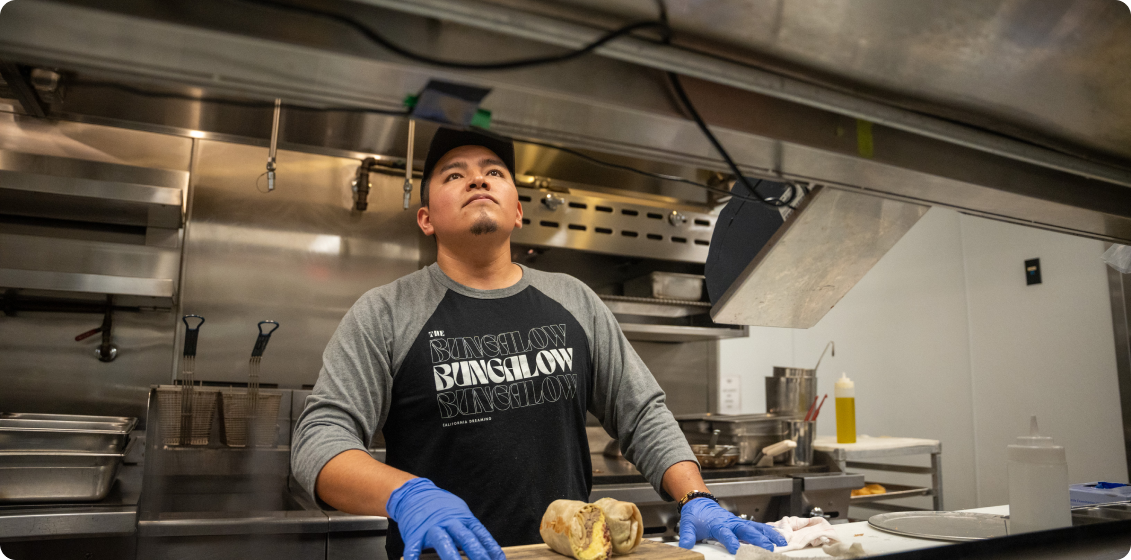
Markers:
<point>448,139</point>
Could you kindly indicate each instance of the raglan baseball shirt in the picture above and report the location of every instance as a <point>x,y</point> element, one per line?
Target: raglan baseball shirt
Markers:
<point>485,393</point>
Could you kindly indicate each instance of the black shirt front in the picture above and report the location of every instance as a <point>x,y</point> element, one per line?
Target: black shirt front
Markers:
<point>490,404</point>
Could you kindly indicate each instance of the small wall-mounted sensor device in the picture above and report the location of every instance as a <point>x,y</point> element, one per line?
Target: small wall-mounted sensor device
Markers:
<point>1032,272</point>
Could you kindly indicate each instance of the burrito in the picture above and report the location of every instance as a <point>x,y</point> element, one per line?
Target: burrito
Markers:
<point>576,529</point>
<point>625,524</point>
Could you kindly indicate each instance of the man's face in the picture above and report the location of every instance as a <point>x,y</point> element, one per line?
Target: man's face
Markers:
<point>471,194</point>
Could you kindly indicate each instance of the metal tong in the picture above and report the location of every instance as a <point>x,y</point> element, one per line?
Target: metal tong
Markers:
<point>253,377</point>
<point>187,382</point>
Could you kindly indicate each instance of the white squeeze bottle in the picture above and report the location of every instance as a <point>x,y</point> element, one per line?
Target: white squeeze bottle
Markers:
<point>1038,484</point>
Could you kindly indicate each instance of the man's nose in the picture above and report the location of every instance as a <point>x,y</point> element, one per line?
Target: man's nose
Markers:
<point>479,182</point>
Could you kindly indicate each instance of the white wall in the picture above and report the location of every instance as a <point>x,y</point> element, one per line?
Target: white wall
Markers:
<point>1046,350</point>
<point>945,341</point>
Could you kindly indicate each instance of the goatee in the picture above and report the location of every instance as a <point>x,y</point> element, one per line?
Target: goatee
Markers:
<point>483,225</point>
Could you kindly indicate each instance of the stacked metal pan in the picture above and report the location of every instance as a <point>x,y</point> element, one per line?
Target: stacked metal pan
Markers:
<point>60,457</point>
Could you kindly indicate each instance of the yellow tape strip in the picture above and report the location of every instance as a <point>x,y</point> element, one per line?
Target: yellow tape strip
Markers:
<point>864,145</point>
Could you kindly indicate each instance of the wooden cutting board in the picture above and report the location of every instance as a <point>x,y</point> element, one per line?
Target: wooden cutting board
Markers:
<point>648,550</point>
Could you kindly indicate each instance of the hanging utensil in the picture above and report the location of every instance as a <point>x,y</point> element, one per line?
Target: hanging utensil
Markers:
<point>253,377</point>
<point>408,163</point>
<point>187,370</point>
<point>274,145</point>
<point>832,345</point>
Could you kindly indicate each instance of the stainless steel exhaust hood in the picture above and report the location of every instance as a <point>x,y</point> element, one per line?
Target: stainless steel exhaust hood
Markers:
<point>824,248</point>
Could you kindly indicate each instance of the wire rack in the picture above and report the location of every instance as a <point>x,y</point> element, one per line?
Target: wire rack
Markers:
<point>248,422</point>
<point>199,421</point>
<point>249,418</point>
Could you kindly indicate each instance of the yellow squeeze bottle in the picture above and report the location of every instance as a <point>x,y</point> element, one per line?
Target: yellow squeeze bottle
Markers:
<point>845,392</point>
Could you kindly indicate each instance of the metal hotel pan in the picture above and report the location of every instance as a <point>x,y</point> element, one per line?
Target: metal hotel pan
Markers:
<point>57,476</point>
<point>53,435</point>
<point>127,421</point>
<point>750,432</point>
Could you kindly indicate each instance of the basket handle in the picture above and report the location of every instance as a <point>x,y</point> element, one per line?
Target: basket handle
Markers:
<point>191,333</point>
<point>264,338</point>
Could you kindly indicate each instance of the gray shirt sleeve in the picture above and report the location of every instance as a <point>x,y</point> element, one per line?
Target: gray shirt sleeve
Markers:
<point>626,398</point>
<point>350,398</point>
<point>354,389</point>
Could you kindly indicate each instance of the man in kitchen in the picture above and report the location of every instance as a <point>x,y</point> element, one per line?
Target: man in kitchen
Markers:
<point>479,372</point>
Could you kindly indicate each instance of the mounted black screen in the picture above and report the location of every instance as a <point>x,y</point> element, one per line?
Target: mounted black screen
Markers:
<point>742,229</point>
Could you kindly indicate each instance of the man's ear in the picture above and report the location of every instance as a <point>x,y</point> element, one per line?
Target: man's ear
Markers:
<point>425,221</point>
<point>518,215</point>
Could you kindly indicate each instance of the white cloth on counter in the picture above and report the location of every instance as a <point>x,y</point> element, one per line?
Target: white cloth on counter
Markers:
<point>800,532</point>
<point>838,550</point>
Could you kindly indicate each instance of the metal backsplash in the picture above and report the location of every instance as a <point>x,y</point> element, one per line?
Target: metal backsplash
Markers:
<point>298,255</point>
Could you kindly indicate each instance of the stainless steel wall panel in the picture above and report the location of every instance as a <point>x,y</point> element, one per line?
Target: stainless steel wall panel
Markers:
<point>299,255</point>
<point>43,369</point>
<point>685,371</point>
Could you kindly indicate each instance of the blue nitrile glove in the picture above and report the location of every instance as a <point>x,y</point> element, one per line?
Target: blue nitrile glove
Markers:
<point>429,517</point>
<point>702,517</point>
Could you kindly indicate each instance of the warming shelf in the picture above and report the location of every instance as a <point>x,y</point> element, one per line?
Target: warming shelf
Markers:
<point>668,320</point>
<point>679,333</point>
<point>90,191</point>
<point>86,283</point>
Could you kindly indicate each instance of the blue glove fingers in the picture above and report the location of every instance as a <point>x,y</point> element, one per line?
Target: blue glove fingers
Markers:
<point>750,534</point>
<point>770,532</point>
<point>725,536</point>
<point>467,541</point>
<point>485,539</point>
<point>412,550</point>
<point>438,539</point>
<point>686,533</point>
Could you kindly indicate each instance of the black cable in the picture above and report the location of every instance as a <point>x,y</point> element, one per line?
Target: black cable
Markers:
<point>376,37</point>
<point>683,99</point>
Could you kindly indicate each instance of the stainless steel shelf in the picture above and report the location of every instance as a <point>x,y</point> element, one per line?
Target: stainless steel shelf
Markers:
<point>654,307</point>
<point>115,515</point>
<point>90,191</point>
<point>725,488</point>
<point>86,283</point>
<point>894,491</point>
<point>678,333</point>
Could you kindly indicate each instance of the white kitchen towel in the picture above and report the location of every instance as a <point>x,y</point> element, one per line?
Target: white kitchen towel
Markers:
<point>800,532</point>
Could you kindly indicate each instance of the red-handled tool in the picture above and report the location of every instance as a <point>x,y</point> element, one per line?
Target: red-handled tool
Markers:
<point>818,411</point>
<point>811,407</point>
<point>88,334</point>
